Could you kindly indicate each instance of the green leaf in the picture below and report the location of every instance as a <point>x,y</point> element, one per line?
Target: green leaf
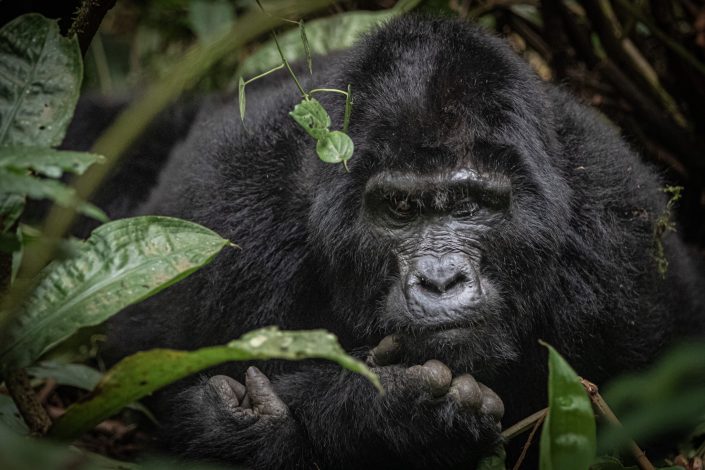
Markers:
<point>568,435</point>
<point>74,375</point>
<point>336,147</point>
<point>307,47</point>
<point>41,79</point>
<point>11,207</point>
<point>666,398</point>
<point>10,418</point>
<point>494,461</point>
<point>241,98</point>
<point>46,161</point>
<point>122,262</point>
<point>144,372</point>
<point>39,188</point>
<point>323,36</point>
<point>210,18</point>
<point>348,110</point>
<point>313,117</point>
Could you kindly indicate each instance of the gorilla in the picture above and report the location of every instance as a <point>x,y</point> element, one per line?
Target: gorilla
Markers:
<point>483,210</point>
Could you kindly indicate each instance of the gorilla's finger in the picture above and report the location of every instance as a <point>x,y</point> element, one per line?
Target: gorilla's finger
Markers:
<point>226,388</point>
<point>491,403</point>
<point>246,402</point>
<point>386,353</point>
<point>435,375</point>
<point>264,400</point>
<point>466,391</point>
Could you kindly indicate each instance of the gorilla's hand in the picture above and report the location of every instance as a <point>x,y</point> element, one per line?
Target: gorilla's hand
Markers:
<point>434,382</point>
<point>222,419</point>
<point>253,404</point>
<point>426,418</point>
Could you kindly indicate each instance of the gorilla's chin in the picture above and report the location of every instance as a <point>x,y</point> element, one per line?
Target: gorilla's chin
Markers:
<point>483,352</point>
<point>474,341</point>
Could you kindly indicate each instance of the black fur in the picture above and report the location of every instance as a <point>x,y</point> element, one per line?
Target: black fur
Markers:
<point>571,262</point>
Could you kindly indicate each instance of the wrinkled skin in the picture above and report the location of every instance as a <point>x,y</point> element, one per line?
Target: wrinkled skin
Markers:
<point>484,210</point>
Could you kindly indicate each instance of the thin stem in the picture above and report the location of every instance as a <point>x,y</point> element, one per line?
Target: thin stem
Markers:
<point>264,74</point>
<point>345,164</point>
<point>348,109</point>
<point>327,90</point>
<point>27,403</point>
<point>525,424</point>
<point>288,67</point>
<point>529,440</point>
<point>606,412</point>
<point>259,4</point>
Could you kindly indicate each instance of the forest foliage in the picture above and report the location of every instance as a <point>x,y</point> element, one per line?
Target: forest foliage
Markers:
<point>641,63</point>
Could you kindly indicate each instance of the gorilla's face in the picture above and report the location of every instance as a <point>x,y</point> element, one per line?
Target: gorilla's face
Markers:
<point>435,226</point>
<point>439,294</point>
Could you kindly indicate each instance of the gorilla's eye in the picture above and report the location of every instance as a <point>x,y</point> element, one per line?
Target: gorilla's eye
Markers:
<point>465,208</point>
<point>401,209</point>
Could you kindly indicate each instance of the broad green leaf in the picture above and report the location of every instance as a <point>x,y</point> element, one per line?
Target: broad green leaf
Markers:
<point>46,161</point>
<point>122,262</point>
<point>40,80</point>
<point>307,47</point>
<point>79,376</point>
<point>568,435</point>
<point>313,117</point>
<point>11,207</point>
<point>210,18</point>
<point>75,375</point>
<point>336,147</point>
<point>17,452</point>
<point>144,372</point>
<point>40,188</point>
<point>322,36</point>
<point>10,417</point>
<point>494,461</point>
<point>241,98</point>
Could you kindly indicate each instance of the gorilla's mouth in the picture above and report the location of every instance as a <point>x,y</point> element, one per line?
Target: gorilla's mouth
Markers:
<point>443,315</point>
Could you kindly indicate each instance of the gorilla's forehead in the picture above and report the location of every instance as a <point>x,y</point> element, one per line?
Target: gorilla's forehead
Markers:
<point>431,90</point>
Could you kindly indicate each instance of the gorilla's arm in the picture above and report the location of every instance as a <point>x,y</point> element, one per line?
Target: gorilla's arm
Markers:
<point>326,416</point>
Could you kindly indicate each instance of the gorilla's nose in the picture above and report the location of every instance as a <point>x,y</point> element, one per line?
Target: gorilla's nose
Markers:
<point>439,283</point>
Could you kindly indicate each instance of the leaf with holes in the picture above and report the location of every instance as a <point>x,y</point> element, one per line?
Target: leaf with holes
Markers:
<point>313,117</point>
<point>41,79</point>
<point>123,262</point>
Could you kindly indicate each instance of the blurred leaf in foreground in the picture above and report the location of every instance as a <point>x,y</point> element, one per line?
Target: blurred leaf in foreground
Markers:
<point>668,397</point>
<point>568,435</point>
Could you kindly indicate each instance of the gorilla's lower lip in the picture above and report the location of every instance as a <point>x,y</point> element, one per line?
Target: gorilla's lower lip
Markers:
<point>436,334</point>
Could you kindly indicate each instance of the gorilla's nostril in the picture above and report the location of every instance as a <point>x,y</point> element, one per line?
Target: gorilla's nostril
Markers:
<point>454,282</point>
<point>429,285</point>
<point>442,285</point>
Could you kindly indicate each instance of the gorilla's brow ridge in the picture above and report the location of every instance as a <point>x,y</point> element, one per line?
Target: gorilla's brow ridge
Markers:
<point>389,182</point>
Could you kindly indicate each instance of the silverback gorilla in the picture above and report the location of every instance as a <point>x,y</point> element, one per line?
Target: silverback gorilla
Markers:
<point>483,210</point>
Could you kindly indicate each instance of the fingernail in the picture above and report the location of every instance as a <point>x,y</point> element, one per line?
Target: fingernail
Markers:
<point>253,372</point>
